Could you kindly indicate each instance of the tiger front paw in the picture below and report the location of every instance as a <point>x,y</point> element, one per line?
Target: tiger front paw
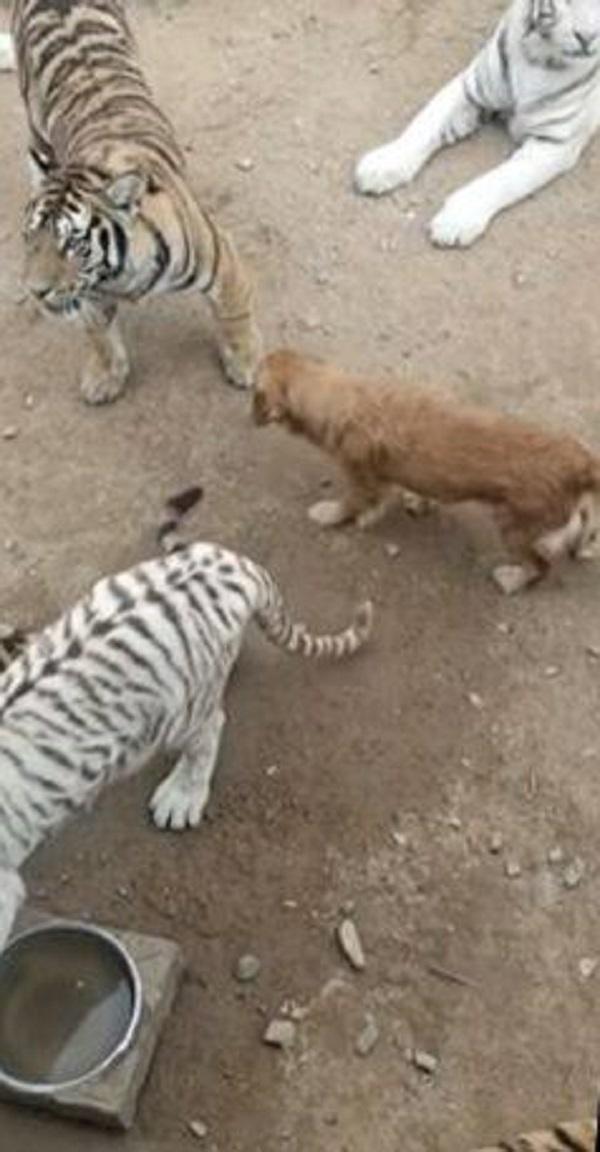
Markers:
<point>461,221</point>
<point>101,385</point>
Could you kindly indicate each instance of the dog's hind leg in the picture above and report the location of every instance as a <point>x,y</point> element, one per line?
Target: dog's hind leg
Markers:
<point>530,562</point>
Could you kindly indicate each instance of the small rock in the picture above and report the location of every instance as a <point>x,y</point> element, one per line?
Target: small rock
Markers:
<point>272,770</point>
<point>455,822</point>
<point>347,907</point>
<point>393,550</point>
<point>504,628</point>
<point>198,1129</point>
<point>512,869</point>
<point>424,1061</point>
<point>280,1034</point>
<point>519,279</point>
<point>311,322</point>
<point>475,699</point>
<point>587,966</point>
<point>593,650</point>
<point>122,892</point>
<point>368,1038</point>
<point>574,873</point>
<point>322,277</point>
<point>29,401</point>
<point>245,164</point>
<point>400,839</point>
<point>10,432</point>
<point>496,843</point>
<point>350,944</point>
<point>247,968</point>
<point>290,904</point>
<point>555,855</point>
<point>551,671</point>
<point>374,67</point>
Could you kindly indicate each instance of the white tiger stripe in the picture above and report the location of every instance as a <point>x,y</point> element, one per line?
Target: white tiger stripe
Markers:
<point>138,664</point>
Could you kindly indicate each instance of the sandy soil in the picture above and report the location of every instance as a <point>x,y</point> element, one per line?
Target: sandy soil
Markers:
<point>392,742</point>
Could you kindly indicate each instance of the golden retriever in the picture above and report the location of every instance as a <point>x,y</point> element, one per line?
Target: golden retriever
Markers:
<point>542,486</point>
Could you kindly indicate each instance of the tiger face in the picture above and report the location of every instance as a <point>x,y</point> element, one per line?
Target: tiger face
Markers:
<point>77,239</point>
<point>558,32</point>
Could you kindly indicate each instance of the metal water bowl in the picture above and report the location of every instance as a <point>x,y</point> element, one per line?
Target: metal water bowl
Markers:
<point>70,1007</point>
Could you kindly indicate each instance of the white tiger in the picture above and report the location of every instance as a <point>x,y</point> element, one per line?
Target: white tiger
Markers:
<point>138,665</point>
<point>541,73</point>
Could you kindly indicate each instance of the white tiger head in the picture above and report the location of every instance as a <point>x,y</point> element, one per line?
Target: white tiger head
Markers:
<point>558,32</point>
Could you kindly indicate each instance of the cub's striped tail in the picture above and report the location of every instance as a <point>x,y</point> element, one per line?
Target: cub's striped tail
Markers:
<point>575,1136</point>
<point>274,619</point>
<point>176,509</point>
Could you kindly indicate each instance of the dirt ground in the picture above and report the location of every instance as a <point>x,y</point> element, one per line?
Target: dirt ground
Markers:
<point>325,770</point>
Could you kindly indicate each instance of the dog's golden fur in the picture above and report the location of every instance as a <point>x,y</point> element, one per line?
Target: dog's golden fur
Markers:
<point>542,486</point>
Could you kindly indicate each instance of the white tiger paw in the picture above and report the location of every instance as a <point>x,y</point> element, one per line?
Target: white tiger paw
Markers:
<point>176,805</point>
<point>328,513</point>
<point>385,168</point>
<point>460,222</point>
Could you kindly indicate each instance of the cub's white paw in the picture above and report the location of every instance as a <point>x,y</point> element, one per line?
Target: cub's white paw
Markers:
<point>511,578</point>
<point>383,169</point>
<point>328,513</point>
<point>459,223</point>
<point>174,805</point>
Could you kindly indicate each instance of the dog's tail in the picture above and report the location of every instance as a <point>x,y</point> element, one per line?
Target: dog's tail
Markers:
<point>276,622</point>
<point>176,508</point>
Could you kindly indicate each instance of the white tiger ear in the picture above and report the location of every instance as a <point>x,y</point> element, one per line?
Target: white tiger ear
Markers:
<point>127,190</point>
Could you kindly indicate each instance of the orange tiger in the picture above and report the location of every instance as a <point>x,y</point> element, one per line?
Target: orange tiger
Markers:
<point>113,216</point>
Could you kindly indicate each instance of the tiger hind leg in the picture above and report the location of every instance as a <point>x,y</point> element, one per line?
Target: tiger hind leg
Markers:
<point>180,800</point>
<point>231,299</point>
<point>450,116</point>
<point>12,895</point>
<point>107,366</point>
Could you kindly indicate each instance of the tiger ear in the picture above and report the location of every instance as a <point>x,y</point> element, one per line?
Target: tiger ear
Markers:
<point>40,164</point>
<point>127,190</point>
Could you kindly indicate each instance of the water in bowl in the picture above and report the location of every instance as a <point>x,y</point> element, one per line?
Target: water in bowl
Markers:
<point>66,1001</point>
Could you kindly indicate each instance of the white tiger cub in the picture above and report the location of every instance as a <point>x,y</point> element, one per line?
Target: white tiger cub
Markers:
<point>541,73</point>
<point>139,664</point>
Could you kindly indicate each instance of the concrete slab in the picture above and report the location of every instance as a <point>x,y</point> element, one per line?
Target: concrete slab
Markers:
<point>110,1100</point>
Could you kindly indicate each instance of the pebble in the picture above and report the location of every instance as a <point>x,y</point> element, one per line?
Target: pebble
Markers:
<point>245,164</point>
<point>475,699</point>
<point>400,839</point>
<point>512,869</point>
<point>455,822</point>
<point>587,966</point>
<point>367,1039</point>
<point>350,944</point>
<point>424,1061</point>
<point>29,401</point>
<point>280,1034</point>
<point>496,843</point>
<point>593,650</point>
<point>555,855</point>
<point>10,432</point>
<point>374,67</point>
<point>574,873</point>
<point>247,968</point>
<point>198,1129</point>
<point>393,550</point>
<point>551,671</point>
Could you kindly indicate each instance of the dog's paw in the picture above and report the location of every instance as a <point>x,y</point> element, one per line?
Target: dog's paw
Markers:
<point>416,505</point>
<point>385,168</point>
<point>460,222</point>
<point>328,513</point>
<point>511,578</point>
